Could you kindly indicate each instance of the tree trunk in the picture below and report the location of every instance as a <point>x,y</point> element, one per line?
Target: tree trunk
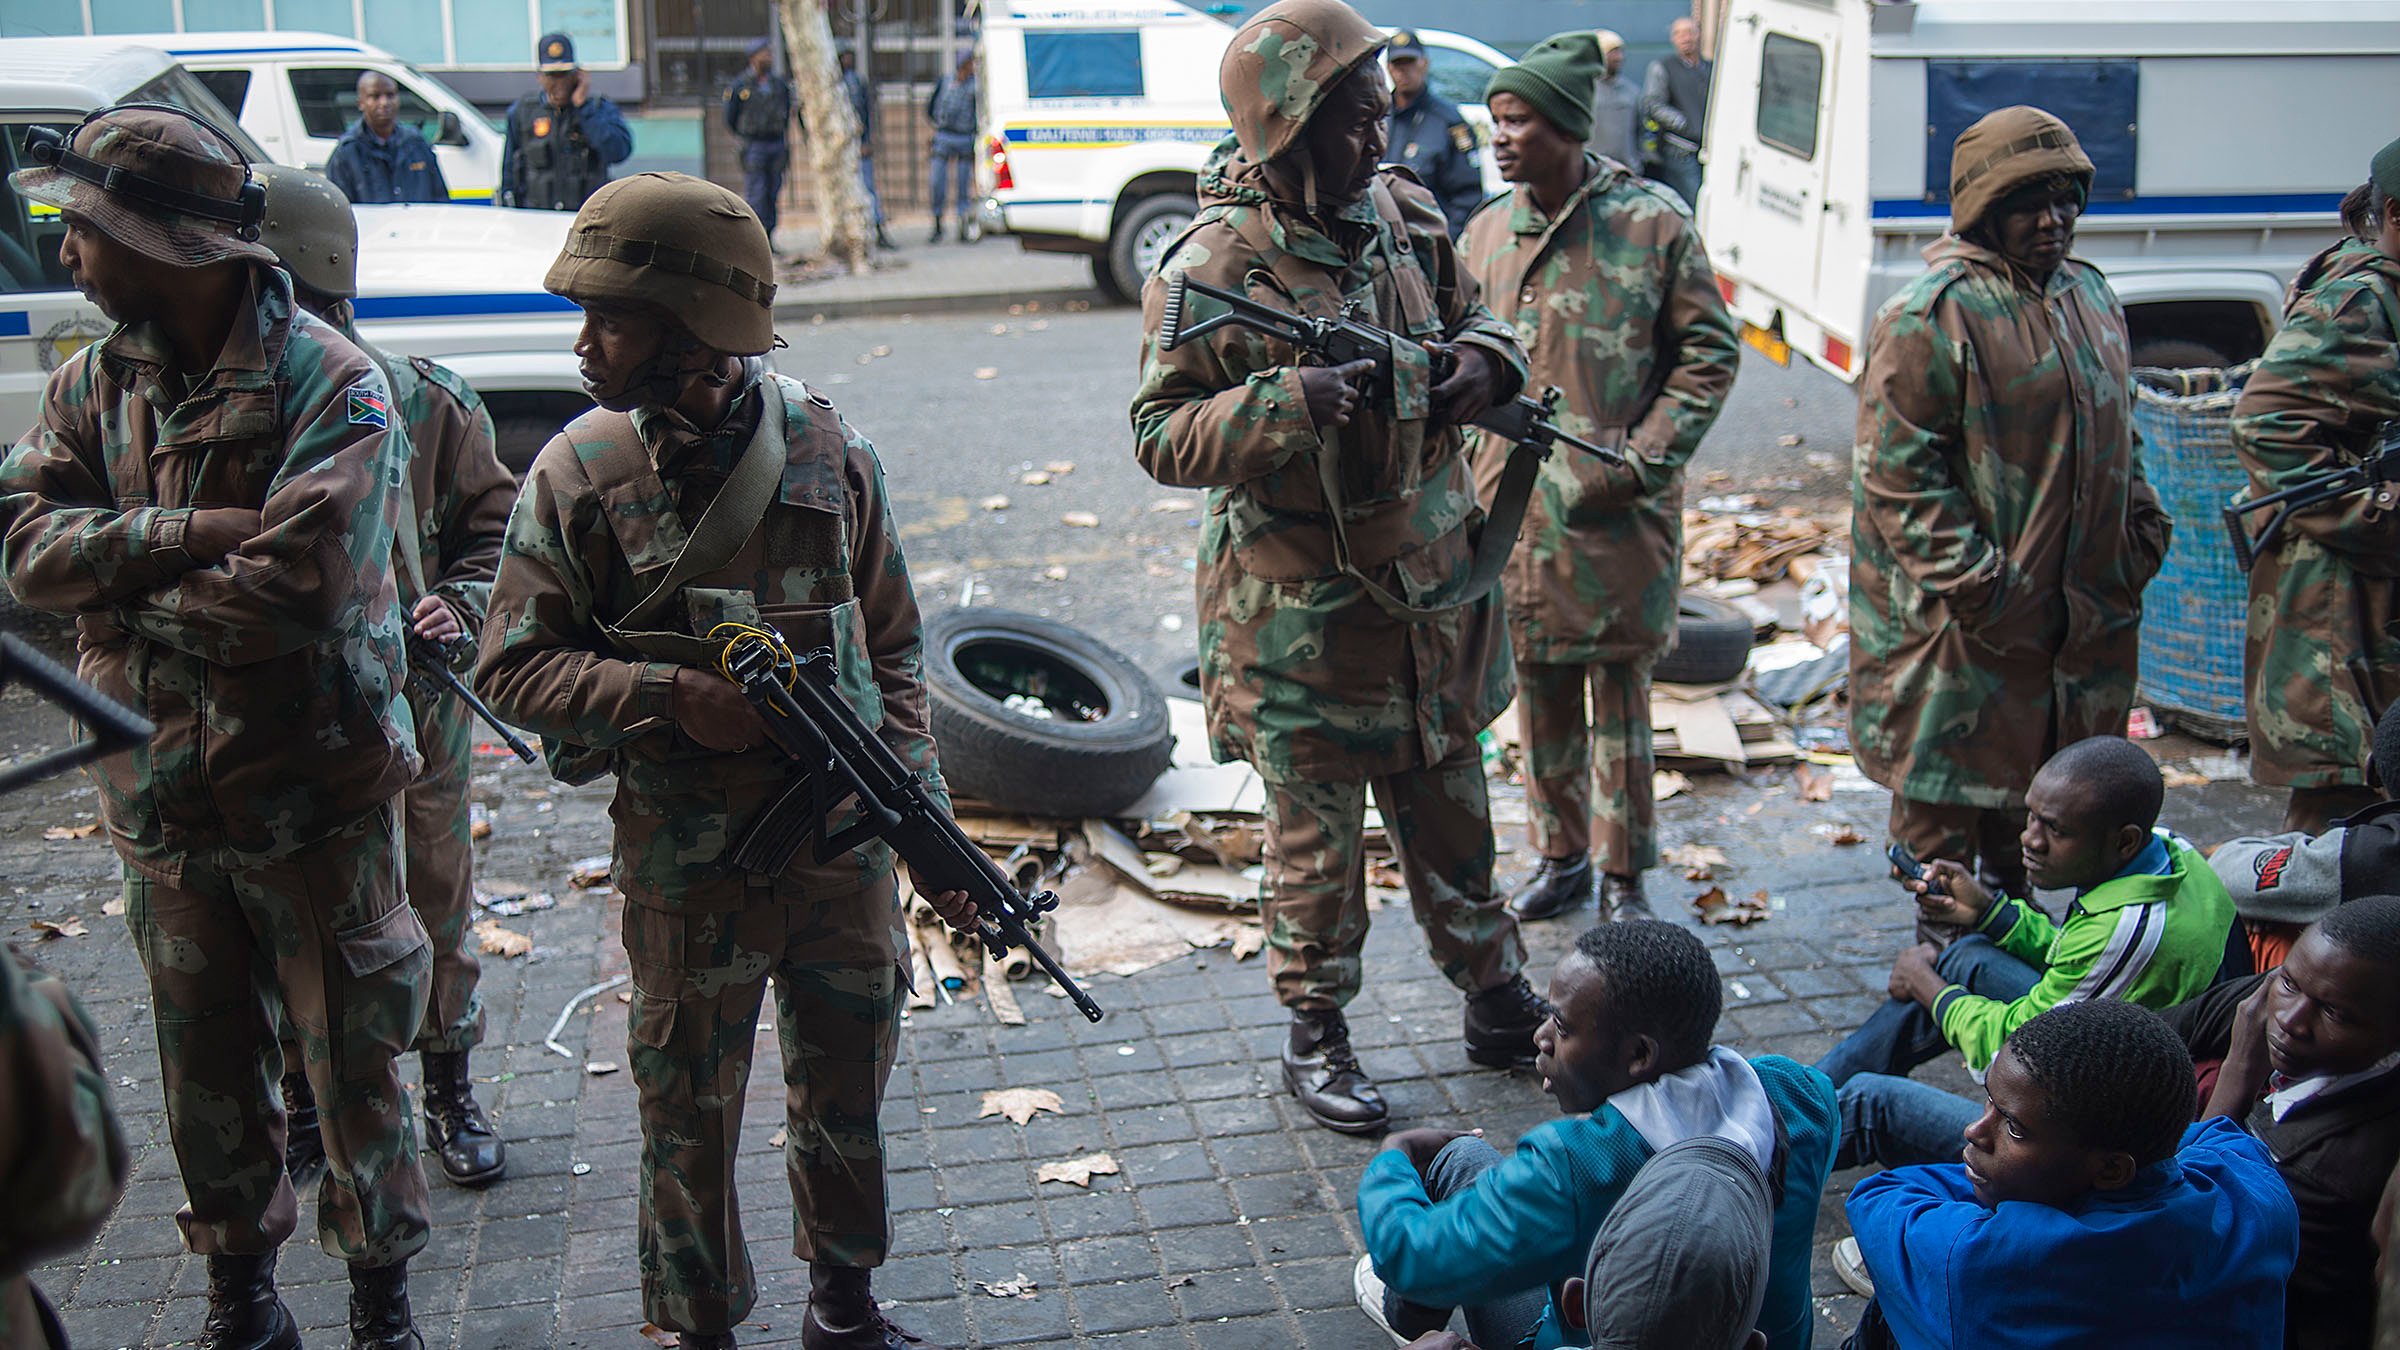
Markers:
<point>832,133</point>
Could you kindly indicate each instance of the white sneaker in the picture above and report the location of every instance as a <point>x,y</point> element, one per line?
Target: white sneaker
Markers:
<point>1852,1267</point>
<point>1369,1289</point>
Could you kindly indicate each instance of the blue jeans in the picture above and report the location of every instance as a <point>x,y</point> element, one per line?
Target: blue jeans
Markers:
<point>953,159</point>
<point>1513,1319</point>
<point>1900,1122</point>
<point>763,166</point>
<point>1680,170</point>
<point>1901,1034</point>
<point>866,179</point>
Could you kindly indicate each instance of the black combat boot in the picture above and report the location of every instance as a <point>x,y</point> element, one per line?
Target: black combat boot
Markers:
<point>883,239</point>
<point>1501,1021</point>
<point>1324,1075</point>
<point>842,1314</point>
<point>936,236</point>
<point>379,1317</point>
<point>303,1146</point>
<point>244,1312</point>
<point>1621,899</point>
<point>1558,885</point>
<point>470,1149</point>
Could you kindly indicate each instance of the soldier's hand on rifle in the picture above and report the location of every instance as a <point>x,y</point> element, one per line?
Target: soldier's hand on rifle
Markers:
<point>213,532</point>
<point>1473,386</point>
<point>955,908</point>
<point>1332,391</point>
<point>434,620</point>
<point>712,711</point>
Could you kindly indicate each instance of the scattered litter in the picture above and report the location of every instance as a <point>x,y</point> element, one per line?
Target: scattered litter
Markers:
<point>656,1334</point>
<point>1667,783</point>
<point>2181,778</point>
<point>600,1068</point>
<point>1249,942</point>
<point>879,351</point>
<point>1078,1171</point>
<point>1698,861</point>
<point>2142,725</point>
<point>2221,768</point>
<point>70,926</point>
<point>987,372</point>
<point>1740,990</point>
<point>1715,907</point>
<point>1019,1287</point>
<point>1182,1280</point>
<point>1821,462</point>
<point>1172,623</point>
<point>1020,1104</point>
<point>776,1140</point>
<point>479,821</point>
<point>508,899</point>
<point>83,831</point>
<point>1840,836</point>
<point>1082,520</point>
<point>501,942</point>
<point>1054,573</point>
<point>996,991</point>
<point>1791,440</point>
<point>1033,478</point>
<point>1026,705</point>
<point>114,907</point>
<point>995,502</point>
<point>1169,505</point>
<point>589,873</point>
<point>1062,467</point>
<point>581,1169</point>
<point>1816,785</point>
<point>568,1011</point>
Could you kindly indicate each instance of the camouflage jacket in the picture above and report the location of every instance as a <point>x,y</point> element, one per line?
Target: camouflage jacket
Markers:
<point>824,568</point>
<point>1618,309</point>
<point>2001,530</point>
<point>2324,650</point>
<point>274,677</point>
<point>63,1160</point>
<point>1304,675</point>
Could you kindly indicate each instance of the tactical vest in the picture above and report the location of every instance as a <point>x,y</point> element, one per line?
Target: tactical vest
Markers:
<point>558,167</point>
<point>761,113</point>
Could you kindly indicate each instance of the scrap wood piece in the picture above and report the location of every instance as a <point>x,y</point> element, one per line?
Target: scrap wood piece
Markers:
<point>999,995</point>
<point>1715,907</point>
<point>1020,1104</point>
<point>1078,1171</point>
<point>1666,783</point>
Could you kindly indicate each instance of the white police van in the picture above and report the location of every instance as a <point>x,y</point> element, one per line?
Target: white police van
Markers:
<point>458,284</point>
<point>1099,114</point>
<point>1831,121</point>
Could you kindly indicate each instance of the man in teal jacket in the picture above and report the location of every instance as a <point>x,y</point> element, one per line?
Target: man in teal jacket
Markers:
<point>1449,1222</point>
<point>2148,925</point>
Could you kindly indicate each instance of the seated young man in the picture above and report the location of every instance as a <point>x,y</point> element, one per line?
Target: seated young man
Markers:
<point>2283,883</point>
<point>1448,1222</point>
<point>2148,924</point>
<point>2086,1209</point>
<point>2311,1066</point>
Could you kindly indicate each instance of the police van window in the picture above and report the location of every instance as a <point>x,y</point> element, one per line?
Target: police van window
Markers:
<point>1457,76</point>
<point>1790,75</point>
<point>328,100</point>
<point>179,87</point>
<point>232,87</point>
<point>1083,65</point>
<point>29,237</point>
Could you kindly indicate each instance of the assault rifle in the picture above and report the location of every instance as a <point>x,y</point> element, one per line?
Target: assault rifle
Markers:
<point>1524,420</point>
<point>2378,473</point>
<point>841,758</point>
<point>432,660</point>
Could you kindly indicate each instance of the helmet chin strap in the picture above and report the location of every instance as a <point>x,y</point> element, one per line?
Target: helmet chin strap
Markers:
<point>662,380</point>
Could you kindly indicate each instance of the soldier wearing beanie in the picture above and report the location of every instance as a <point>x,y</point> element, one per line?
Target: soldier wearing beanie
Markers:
<point>2322,662</point>
<point>208,494</point>
<point>2001,530</point>
<point>619,565</point>
<point>1609,288</point>
<point>1332,658</point>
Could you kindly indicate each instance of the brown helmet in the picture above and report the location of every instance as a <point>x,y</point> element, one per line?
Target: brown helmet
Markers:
<point>311,229</point>
<point>1281,64</point>
<point>678,244</point>
<point>2004,151</point>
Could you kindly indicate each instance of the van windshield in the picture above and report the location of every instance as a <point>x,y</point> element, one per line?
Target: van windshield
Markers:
<point>179,87</point>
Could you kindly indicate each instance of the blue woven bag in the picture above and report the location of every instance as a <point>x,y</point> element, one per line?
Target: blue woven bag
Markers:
<point>2193,615</point>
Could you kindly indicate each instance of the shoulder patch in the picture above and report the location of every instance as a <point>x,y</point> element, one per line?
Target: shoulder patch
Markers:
<point>368,407</point>
<point>1463,136</point>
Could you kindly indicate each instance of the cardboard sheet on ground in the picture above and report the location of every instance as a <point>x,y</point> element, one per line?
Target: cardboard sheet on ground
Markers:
<point>1110,923</point>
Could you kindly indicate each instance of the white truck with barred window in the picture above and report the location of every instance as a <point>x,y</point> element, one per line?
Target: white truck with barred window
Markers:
<point>1101,112</point>
<point>1831,121</point>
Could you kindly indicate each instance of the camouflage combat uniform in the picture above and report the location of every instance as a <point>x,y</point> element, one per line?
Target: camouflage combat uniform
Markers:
<point>601,515</point>
<point>1304,674</point>
<point>62,1154</point>
<point>1618,309</point>
<point>2001,536</point>
<point>257,827</point>
<point>2323,656</point>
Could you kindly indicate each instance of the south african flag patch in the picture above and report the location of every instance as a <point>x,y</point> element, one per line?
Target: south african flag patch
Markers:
<point>367,407</point>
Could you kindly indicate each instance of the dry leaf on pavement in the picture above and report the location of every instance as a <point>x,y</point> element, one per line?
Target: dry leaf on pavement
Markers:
<point>1082,520</point>
<point>1034,478</point>
<point>1020,1287</point>
<point>658,1335</point>
<point>1060,466</point>
<point>1054,573</point>
<point>987,372</point>
<point>1698,861</point>
<point>589,872</point>
<point>1248,941</point>
<point>70,926</point>
<point>499,941</point>
<point>114,908</point>
<point>1816,785</point>
<point>2182,778</point>
<point>1715,907</point>
<point>995,502</point>
<point>1020,1104</point>
<point>1078,1171</point>
<point>1841,836</point>
<point>83,831</point>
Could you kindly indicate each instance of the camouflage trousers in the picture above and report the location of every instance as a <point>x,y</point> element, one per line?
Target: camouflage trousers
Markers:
<point>1314,897</point>
<point>1588,767</point>
<point>441,871</point>
<point>2321,662</point>
<point>324,931</point>
<point>698,980</point>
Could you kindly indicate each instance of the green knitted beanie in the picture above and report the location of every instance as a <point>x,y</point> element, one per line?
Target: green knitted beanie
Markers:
<point>1556,78</point>
<point>2384,173</point>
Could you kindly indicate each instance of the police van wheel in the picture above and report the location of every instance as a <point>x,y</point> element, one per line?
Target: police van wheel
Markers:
<point>1032,715</point>
<point>1140,240</point>
<point>1712,643</point>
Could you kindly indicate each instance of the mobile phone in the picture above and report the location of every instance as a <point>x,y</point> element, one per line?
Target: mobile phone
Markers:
<point>1912,869</point>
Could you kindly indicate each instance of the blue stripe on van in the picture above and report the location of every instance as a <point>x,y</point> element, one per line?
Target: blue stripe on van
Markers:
<point>455,306</point>
<point>2228,204</point>
<point>18,324</point>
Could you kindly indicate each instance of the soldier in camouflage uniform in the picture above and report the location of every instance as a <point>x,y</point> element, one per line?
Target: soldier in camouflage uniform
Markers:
<point>449,547</point>
<point>62,1155</point>
<point>1319,661</point>
<point>2323,656</point>
<point>2001,529</point>
<point>1611,292</point>
<point>571,651</point>
<point>211,491</point>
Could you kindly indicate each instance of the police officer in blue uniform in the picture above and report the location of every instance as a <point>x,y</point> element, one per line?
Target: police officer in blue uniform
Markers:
<point>1430,135</point>
<point>562,137</point>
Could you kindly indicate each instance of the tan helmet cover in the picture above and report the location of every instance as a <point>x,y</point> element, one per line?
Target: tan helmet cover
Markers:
<point>681,244</point>
<point>1278,69</point>
<point>311,229</point>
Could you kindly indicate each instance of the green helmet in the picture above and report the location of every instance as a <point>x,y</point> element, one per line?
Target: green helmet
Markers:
<point>311,230</point>
<point>681,244</point>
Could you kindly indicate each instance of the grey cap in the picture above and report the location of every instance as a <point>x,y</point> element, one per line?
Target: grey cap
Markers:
<point>1681,1263</point>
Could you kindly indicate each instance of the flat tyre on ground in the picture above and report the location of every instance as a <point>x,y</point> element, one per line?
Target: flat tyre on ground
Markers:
<point>991,674</point>
<point>1712,643</point>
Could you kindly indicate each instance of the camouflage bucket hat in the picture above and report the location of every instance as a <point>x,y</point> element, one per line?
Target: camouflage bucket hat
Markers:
<point>156,179</point>
<point>1280,66</point>
<point>311,229</point>
<point>680,244</point>
<point>2004,151</point>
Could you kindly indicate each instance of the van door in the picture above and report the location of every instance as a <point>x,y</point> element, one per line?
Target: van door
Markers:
<point>325,97</point>
<point>1776,119</point>
<point>251,95</point>
<point>43,319</point>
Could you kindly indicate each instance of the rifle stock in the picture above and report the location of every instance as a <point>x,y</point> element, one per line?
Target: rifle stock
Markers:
<point>2379,473</point>
<point>841,759</point>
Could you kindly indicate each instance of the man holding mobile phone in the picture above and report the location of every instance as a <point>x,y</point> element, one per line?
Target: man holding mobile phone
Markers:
<point>562,137</point>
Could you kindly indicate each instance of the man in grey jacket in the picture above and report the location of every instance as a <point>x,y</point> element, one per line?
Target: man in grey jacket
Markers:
<point>1675,96</point>
<point>1616,107</point>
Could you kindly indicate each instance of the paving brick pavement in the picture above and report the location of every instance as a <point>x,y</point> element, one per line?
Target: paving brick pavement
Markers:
<point>1231,1224</point>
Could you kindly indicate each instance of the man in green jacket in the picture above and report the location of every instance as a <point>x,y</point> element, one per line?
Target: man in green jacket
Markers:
<point>2148,925</point>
